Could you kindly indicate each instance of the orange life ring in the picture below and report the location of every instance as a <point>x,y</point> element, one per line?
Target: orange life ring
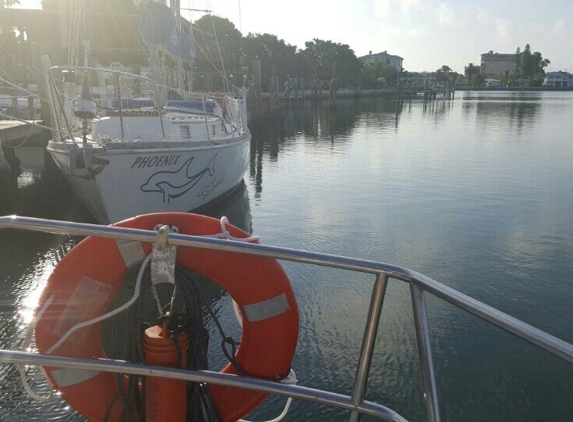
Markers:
<point>89,276</point>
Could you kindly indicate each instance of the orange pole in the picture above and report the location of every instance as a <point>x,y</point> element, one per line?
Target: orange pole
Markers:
<point>165,399</point>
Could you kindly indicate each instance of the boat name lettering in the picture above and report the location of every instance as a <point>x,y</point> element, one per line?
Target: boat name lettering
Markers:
<point>156,161</point>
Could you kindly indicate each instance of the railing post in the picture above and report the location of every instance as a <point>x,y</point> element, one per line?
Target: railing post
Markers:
<point>120,110</point>
<point>368,342</point>
<point>425,352</point>
<point>203,99</point>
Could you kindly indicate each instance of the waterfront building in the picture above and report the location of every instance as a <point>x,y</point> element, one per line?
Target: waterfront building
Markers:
<point>558,79</point>
<point>496,64</point>
<point>394,61</point>
<point>493,83</point>
<point>423,81</point>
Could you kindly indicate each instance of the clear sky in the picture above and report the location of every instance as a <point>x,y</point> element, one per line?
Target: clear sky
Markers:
<point>426,33</point>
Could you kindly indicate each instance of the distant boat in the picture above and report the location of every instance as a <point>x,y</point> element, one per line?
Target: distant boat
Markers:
<point>132,144</point>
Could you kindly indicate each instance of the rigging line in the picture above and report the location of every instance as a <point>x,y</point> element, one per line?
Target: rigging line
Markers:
<point>241,31</point>
<point>240,22</point>
<point>73,35</point>
<point>135,40</point>
<point>223,76</point>
<point>220,54</point>
<point>30,93</point>
<point>12,56</point>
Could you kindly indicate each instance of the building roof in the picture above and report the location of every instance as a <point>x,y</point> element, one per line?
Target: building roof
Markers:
<point>500,56</point>
<point>382,54</point>
<point>559,72</point>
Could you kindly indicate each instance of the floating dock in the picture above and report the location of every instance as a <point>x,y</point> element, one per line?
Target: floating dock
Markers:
<point>17,133</point>
<point>13,132</point>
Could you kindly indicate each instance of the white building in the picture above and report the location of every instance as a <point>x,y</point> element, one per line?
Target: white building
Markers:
<point>394,61</point>
<point>558,79</point>
<point>493,83</point>
<point>498,64</point>
<point>423,81</point>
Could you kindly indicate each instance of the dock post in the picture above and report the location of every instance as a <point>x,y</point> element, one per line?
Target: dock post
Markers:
<point>5,170</point>
<point>256,91</point>
<point>31,108</point>
<point>273,92</point>
<point>15,107</point>
<point>301,86</point>
<point>332,87</point>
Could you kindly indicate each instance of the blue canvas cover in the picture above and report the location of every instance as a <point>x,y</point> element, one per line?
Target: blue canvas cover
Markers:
<point>158,27</point>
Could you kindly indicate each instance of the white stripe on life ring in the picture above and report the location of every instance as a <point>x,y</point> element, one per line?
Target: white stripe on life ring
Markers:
<point>267,308</point>
<point>65,377</point>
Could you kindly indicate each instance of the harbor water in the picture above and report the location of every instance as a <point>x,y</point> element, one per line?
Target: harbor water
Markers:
<point>476,193</point>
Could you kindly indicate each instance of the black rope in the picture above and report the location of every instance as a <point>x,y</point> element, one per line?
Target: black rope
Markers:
<point>185,317</point>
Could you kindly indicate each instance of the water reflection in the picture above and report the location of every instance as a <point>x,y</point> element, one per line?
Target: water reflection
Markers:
<point>235,207</point>
<point>503,111</point>
<point>473,192</point>
<point>317,124</point>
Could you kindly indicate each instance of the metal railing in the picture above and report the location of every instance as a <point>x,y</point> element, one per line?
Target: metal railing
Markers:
<point>419,285</point>
<point>158,98</point>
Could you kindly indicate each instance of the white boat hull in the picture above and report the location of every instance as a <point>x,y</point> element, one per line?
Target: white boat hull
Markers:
<point>116,184</point>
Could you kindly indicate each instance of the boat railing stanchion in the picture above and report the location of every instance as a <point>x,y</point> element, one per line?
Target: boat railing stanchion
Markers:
<point>203,99</point>
<point>368,342</point>
<point>425,352</point>
<point>120,109</point>
<point>157,102</point>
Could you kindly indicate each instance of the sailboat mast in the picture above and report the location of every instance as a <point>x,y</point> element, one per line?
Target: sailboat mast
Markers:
<point>176,7</point>
<point>86,34</point>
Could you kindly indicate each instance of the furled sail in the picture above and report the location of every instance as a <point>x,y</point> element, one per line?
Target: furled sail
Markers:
<point>158,26</point>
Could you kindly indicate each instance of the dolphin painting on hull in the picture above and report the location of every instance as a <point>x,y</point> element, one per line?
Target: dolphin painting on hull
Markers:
<point>173,184</point>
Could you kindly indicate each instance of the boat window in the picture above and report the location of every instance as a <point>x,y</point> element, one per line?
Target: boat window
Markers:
<point>185,132</point>
<point>213,131</point>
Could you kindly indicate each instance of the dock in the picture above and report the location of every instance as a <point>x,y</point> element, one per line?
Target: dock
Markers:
<point>17,133</point>
<point>14,132</point>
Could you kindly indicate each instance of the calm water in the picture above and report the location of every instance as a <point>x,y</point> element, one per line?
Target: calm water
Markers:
<point>476,193</point>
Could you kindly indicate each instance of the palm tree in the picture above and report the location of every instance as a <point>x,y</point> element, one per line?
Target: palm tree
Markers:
<point>471,71</point>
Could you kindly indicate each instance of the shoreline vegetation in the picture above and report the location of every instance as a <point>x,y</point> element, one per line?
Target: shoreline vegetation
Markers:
<point>319,64</point>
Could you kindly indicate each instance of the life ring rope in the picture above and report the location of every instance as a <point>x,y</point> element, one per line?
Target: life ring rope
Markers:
<point>289,379</point>
<point>25,346</point>
<point>106,315</point>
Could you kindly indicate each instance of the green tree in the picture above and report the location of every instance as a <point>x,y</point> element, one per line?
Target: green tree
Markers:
<point>445,73</point>
<point>379,74</point>
<point>218,48</point>
<point>444,69</point>
<point>471,71</point>
<point>324,56</point>
<point>479,80</point>
<point>271,51</point>
<point>532,65</point>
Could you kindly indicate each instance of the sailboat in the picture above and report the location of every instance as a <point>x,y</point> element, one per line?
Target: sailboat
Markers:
<point>132,143</point>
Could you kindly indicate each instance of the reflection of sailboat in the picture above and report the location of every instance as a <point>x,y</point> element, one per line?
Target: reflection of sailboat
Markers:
<point>136,144</point>
<point>235,207</point>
